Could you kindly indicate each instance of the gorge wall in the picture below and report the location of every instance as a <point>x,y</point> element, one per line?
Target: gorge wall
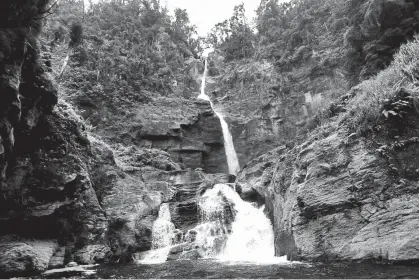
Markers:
<point>338,196</point>
<point>85,169</point>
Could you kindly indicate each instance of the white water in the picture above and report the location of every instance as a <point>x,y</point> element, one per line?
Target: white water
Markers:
<point>230,229</point>
<point>231,155</point>
<point>213,230</point>
<point>162,235</point>
<point>251,238</point>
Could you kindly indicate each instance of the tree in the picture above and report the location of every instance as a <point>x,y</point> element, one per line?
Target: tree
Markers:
<point>129,47</point>
<point>378,28</point>
<point>234,36</point>
<point>76,34</point>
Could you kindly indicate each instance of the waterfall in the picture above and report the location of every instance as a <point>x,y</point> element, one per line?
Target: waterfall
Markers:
<point>237,230</point>
<point>229,229</point>
<point>231,155</point>
<point>163,228</point>
<point>162,236</point>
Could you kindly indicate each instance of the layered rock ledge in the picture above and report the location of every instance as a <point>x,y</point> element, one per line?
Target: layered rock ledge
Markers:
<point>341,196</point>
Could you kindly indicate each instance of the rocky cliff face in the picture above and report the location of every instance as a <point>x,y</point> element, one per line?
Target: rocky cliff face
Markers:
<point>47,191</point>
<point>144,180</point>
<point>341,196</point>
<point>187,129</point>
<point>266,107</point>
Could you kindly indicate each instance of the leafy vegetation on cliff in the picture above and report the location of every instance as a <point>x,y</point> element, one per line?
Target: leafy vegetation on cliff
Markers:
<point>129,48</point>
<point>374,97</point>
<point>316,50</point>
<point>302,54</point>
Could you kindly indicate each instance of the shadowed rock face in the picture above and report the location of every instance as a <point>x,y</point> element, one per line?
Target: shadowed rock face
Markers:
<point>339,196</point>
<point>44,185</point>
<point>25,255</point>
<point>188,130</point>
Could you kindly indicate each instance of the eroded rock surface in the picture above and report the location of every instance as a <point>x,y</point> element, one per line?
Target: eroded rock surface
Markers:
<point>341,196</point>
<point>187,129</point>
<point>24,256</point>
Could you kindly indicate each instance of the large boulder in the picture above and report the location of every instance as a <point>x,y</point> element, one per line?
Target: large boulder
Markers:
<point>91,254</point>
<point>24,257</point>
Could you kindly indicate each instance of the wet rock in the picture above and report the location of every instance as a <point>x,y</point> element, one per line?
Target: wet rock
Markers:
<point>185,251</point>
<point>177,236</point>
<point>191,235</point>
<point>57,260</point>
<point>71,264</point>
<point>338,199</point>
<point>91,254</point>
<point>191,255</point>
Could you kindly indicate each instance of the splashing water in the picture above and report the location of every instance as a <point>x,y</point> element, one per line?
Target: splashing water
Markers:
<point>252,235</point>
<point>245,234</point>
<point>162,236</point>
<point>214,227</point>
<point>230,229</point>
<point>163,228</point>
<point>231,155</point>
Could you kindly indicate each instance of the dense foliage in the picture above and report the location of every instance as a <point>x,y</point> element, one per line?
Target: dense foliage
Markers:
<point>363,35</point>
<point>129,47</point>
<point>134,49</point>
<point>233,36</point>
<point>377,29</point>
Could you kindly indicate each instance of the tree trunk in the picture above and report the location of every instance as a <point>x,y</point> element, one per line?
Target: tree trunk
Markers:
<point>67,58</point>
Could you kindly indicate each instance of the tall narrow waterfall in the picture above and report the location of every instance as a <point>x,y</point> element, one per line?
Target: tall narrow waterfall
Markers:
<point>231,155</point>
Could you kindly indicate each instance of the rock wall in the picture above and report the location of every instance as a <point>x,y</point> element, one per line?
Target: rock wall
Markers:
<point>280,121</point>
<point>47,197</point>
<point>342,196</point>
<point>187,129</point>
<point>146,179</point>
<point>267,106</point>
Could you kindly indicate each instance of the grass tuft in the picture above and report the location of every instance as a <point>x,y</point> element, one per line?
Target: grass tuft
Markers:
<point>363,110</point>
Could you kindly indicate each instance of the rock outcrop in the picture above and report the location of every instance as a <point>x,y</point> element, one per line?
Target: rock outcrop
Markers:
<point>149,179</point>
<point>19,256</point>
<point>47,195</point>
<point>188,130</point>
<point>342,196</point>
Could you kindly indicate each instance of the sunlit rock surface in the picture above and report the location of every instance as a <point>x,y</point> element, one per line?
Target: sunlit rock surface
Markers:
<point>341,196</point>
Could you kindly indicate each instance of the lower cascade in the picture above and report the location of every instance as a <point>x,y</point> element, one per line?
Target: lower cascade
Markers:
<point>162,235</point>
<point>229,229</point>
